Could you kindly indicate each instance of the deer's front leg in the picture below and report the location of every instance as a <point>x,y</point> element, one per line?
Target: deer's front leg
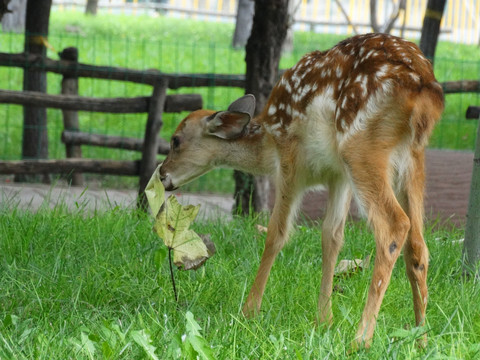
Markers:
<point>287,200</point>
<point>332,241</point>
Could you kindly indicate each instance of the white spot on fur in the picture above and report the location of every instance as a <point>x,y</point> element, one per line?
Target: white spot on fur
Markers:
<point>306,89</point>
<point>415,77</point>
<point>380,283</point>
<point>339,71</point>
<point>272,110</point>
<point>295,79</point>
<point>382,71</point>
<point>296,97</point>
<point>288,110</point>
<point>288,87</point>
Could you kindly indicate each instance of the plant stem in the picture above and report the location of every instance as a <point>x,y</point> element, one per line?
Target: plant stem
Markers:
<point>172,277</point>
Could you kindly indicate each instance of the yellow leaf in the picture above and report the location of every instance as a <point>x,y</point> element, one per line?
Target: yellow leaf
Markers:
<point>173,220</point>
<point>261,228</point>
<point>349,267</point>
<point>155,192</point>
<point>172,224</point>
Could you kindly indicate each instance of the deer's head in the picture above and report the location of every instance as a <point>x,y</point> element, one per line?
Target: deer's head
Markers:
<point>202,140</point>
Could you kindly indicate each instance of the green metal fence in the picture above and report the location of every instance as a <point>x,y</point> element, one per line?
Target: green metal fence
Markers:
<point>453,132</point>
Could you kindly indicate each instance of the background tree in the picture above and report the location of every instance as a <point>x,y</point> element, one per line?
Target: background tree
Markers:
<point>471,245</point>
<point>14,18</point>
<point>431,27</point>
<point>263,51</point>
<point>91,8</point>
<point>243,23</point>
<point>388,26</point>
<point>244,20</point>
<point>35,139</point>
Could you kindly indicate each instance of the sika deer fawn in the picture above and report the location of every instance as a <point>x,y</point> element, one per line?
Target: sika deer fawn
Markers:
<point>355,118</point>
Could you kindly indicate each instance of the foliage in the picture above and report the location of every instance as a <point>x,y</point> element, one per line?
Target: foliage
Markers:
<point>83,286</point>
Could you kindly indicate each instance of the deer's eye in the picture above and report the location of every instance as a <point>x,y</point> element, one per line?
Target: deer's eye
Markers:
<point>175,142</point>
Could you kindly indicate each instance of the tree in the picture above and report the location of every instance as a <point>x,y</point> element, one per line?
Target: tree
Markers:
<point>388,26</point>
<point>243,23</point>
<point>431,27</point>
<point>91,8</point>
<point>14,19</point>
<point>263,50</point>
<point>35,139</point>
<point>471,245</point>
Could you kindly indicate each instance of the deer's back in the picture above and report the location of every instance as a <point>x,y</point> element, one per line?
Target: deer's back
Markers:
<point>361,80</point>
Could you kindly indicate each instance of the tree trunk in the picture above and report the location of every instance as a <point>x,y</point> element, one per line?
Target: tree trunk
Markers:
<point>91,8</point>
<point>243,24</point>
<point>431,27</point>
<point>388,26</point>
<point>263,50</point>
<point>15,19</point>
<point>35,139</point>
<point>471,245</point>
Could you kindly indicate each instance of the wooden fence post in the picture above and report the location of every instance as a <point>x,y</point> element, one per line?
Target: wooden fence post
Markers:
<point>471,245</point>
<point>150,142</point>
<point>70,118</point>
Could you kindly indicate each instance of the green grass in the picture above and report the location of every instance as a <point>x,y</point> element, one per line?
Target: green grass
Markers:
<point>79,286</point>
<point>187,46</point>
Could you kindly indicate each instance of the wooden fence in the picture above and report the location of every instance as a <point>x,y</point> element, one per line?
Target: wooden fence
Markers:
<point>70,102</point>
<point>154,105</point>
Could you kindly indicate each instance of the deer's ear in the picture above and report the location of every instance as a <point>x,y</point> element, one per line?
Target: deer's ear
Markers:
<point>245,104</point>
<point>227,124</point>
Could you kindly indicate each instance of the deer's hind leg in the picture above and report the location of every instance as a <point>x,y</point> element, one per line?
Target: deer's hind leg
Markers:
<point>415,249</point>
<point>368,161</point>
<point>332,241</point>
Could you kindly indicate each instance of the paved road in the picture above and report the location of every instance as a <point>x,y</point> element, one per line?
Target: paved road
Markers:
<point>35,196</point>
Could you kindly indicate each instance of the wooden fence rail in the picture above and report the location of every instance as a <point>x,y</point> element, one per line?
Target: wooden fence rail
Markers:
<point>173,103</point>
<point>149,77</point>
<point>115,142</point>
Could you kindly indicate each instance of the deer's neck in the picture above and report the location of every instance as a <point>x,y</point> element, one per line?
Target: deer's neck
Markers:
<point>254,152</point>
